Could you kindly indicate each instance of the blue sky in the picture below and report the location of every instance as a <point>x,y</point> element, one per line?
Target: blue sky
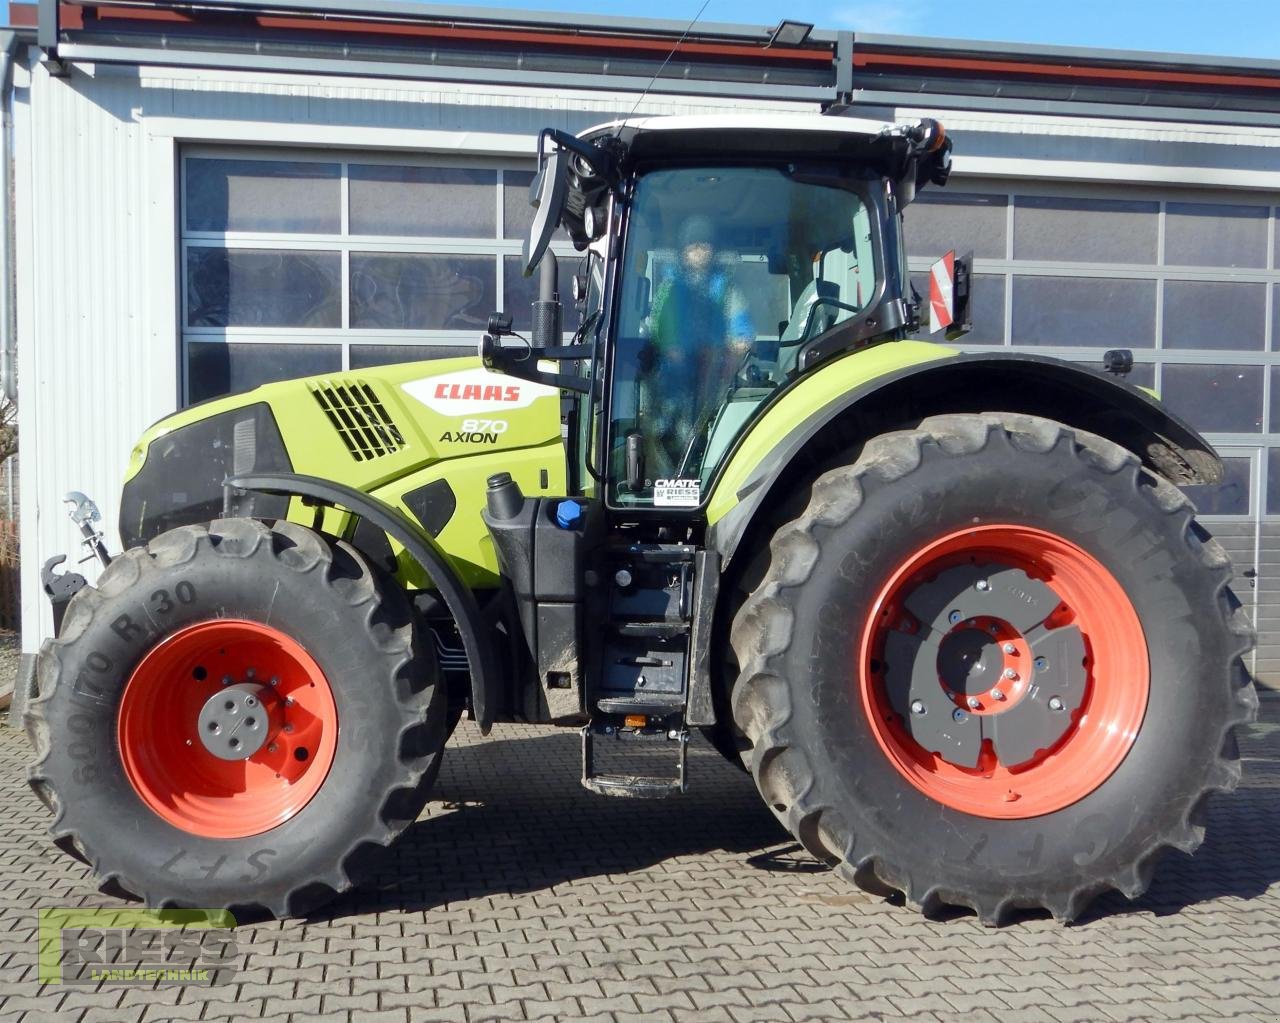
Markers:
<point>1239,28</point>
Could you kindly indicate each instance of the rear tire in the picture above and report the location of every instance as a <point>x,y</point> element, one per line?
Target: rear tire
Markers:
<point>840,750</point>
<point>166,629</point>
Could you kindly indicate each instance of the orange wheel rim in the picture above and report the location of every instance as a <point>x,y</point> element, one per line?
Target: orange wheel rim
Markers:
<point>967,671</point>
<point>227,728</point>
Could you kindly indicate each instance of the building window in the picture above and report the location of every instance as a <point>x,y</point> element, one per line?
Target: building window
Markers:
<point>294,264</point>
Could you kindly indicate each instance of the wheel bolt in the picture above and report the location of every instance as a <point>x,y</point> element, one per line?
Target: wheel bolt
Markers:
<point>1010,674</point>
<point>982,585</point>
<point>248,673</point>
<point>1055,703</point>
<point>275,681</point>
<point>1009,648</point>
<point>958,715</point>
<point>996,694</point>
<point>973,703</point>
<point>226,680</point>
<point>271,748</point>
<point>917,706</point>
<point>954,617</point>
<point>1041,663</point>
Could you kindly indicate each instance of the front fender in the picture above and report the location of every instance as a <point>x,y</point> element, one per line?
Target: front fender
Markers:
<point>423,548</point>
<point>894,386</point>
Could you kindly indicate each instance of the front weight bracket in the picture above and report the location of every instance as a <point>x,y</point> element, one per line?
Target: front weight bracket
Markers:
<point>60,587</point>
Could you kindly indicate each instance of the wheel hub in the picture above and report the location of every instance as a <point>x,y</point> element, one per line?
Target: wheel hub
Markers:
<point>969,661</point>
<point>237,721</point>
<point>978,659</point>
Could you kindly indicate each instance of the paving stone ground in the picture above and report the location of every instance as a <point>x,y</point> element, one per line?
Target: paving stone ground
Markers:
<point>521,896</point>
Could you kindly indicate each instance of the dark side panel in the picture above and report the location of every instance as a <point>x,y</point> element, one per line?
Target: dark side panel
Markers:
<point>181,480</point>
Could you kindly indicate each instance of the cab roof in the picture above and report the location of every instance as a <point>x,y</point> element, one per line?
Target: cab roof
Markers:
<point>773,134</point>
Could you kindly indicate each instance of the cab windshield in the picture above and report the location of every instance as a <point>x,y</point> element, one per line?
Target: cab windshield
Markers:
<point>727,273</point>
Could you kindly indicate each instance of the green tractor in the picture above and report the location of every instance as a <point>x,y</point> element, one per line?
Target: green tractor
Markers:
<point>950,610</point>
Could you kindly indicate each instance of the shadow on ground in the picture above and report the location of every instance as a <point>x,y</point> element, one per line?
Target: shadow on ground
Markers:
<point>508,815</point>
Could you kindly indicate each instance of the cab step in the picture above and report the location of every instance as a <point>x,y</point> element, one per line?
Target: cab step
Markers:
<point>621,740</point>
<point>653,705</point>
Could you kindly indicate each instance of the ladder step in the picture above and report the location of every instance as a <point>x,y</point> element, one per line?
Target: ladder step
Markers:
<point>653,705</point>
<point>634,786</point>
<point>659,629</point>
<point>629,786</point>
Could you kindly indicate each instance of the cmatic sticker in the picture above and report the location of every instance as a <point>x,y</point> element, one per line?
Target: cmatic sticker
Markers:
<point>677,493</point>
<point>472,391</point>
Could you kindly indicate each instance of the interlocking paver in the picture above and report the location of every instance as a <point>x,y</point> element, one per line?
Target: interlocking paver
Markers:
<point>520,896</point>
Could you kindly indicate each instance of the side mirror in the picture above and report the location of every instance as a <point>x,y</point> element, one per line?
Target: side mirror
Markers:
<point>546,195</point>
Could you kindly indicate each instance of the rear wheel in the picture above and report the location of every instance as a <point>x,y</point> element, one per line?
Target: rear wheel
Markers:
<point>236,716</point>
<point>993,664</point>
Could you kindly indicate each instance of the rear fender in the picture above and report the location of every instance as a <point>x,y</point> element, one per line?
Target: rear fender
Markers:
<point>897,385</point>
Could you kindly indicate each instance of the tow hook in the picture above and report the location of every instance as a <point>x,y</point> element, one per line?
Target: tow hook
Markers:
<point>60,587</point>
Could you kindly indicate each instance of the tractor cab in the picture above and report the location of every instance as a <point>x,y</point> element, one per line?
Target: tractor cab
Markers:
<point>723,259</point>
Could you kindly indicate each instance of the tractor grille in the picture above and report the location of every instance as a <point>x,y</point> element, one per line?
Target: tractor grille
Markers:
<point>356,412</point>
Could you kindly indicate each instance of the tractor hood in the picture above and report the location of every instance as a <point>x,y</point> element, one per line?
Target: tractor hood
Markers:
<point>364,428</point>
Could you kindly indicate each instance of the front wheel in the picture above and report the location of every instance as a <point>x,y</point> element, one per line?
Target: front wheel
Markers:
<point>237,715</point>
<point>995,664</point>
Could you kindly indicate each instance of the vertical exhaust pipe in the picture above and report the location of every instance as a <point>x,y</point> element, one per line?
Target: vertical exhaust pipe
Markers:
<point>546,311</point>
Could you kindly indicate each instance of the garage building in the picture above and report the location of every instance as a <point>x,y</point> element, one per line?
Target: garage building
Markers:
<point>206,198</point>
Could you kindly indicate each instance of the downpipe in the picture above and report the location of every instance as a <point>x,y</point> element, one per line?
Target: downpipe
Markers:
<point>8,341</point>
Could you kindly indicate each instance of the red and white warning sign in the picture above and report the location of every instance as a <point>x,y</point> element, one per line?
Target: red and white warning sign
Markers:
<point>942,293</point>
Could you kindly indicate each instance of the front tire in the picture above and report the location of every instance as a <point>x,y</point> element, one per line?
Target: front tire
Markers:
<point>995,664</point>
<point>238,716</point>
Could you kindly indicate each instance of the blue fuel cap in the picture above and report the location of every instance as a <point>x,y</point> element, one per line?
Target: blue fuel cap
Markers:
<point>568,514</point>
